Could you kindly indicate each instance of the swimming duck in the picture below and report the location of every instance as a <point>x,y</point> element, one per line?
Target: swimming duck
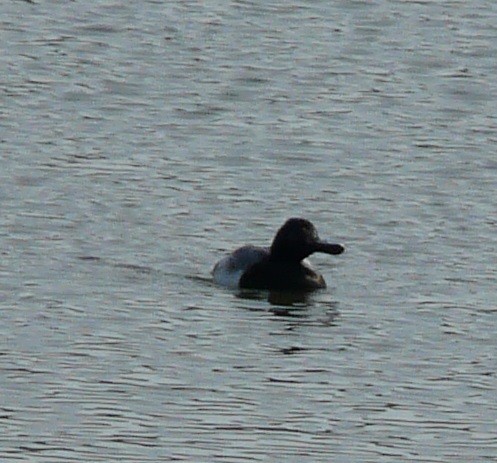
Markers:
<point>283,266</point>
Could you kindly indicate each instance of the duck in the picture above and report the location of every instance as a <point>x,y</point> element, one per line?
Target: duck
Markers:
<point>282,266</point>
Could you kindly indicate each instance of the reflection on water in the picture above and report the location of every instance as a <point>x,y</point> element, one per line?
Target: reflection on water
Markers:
<point>291,304</point>
<point>291,299</point>
<point>142,140</point>
<point>283,298</point>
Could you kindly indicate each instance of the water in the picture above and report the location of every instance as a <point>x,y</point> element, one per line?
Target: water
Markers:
<point>141,141</point>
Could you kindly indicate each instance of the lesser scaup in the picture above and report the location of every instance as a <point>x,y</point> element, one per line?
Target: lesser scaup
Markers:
<point>281,267</point>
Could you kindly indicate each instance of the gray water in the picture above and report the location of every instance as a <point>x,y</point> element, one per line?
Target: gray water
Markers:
<point>141,141</point>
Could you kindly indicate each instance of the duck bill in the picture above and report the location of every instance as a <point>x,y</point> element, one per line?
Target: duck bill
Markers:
<point>329,248</point>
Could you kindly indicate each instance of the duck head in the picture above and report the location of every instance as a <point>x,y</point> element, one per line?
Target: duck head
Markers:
<point>298,239</point>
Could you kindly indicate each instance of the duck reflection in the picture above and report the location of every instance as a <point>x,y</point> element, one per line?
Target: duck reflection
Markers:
<point>294,304</point>
<point>290,299</point>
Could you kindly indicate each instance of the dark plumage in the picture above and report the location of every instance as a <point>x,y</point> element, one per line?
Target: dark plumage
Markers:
<point>282,267</point>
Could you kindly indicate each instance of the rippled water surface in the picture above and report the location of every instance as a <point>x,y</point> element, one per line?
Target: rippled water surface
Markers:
<point>140,141</point>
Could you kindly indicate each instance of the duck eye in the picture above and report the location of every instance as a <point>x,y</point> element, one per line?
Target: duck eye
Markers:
<point>312,233</point>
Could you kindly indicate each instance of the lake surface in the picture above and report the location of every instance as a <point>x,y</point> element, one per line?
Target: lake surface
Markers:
<point>141,141</point>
